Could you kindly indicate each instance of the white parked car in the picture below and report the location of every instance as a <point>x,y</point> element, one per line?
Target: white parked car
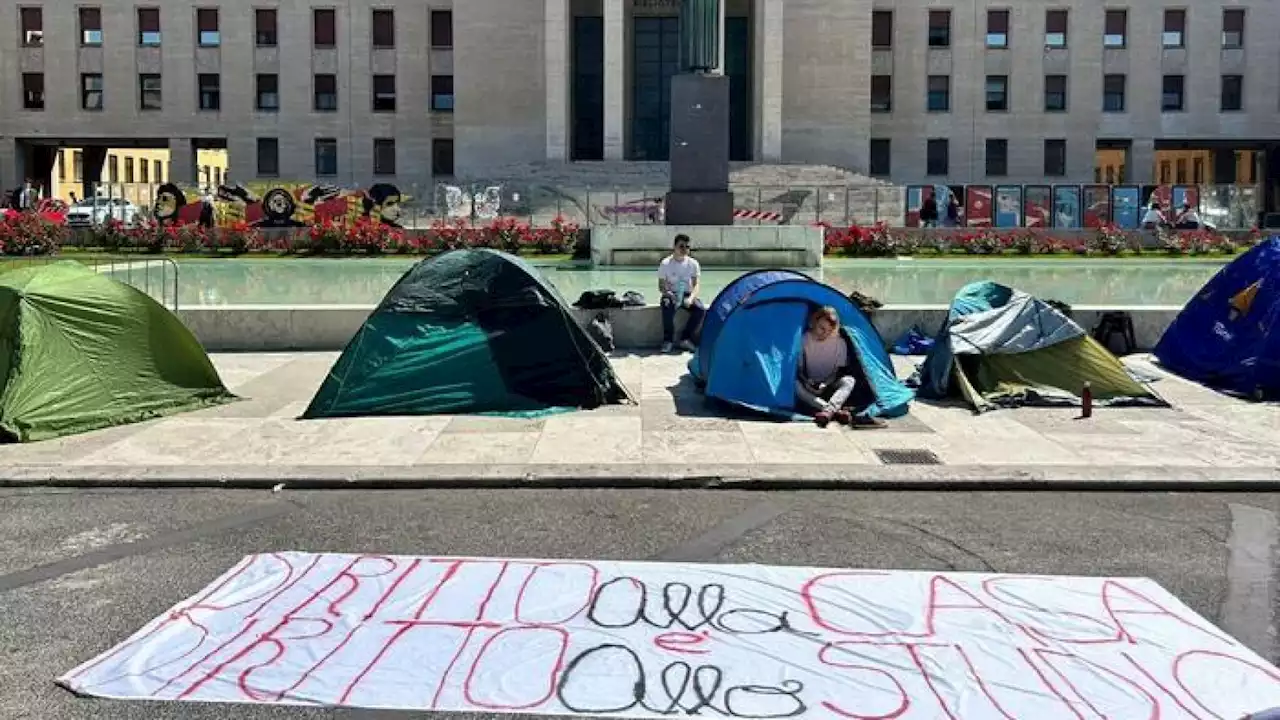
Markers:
<point>96,212</point>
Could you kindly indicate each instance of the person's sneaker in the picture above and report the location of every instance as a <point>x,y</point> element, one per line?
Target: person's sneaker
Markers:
<point>666,347</point>
<point>822,419</point>
<point>843,417</point>
<point>688,345</point>
<point>864,422</point>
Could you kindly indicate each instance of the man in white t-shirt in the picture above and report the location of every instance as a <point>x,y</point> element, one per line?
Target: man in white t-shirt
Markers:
<point>679,278</point>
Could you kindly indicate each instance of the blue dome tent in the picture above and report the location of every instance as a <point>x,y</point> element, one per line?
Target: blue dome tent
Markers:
<point>1228,336</point>
<point>751,340</point>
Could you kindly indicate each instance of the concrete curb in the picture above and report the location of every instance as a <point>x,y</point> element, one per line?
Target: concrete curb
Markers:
<point>747,477</point>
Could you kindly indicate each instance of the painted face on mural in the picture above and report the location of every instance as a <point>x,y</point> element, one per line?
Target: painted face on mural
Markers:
<point>166,205</point>
<point>390,210</point>
<point>278,204</point>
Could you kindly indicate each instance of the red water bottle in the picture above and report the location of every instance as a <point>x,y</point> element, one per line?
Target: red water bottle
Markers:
<point>1086,401</point>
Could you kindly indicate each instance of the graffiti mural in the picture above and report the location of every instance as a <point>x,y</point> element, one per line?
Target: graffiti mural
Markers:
<point>277,205</point>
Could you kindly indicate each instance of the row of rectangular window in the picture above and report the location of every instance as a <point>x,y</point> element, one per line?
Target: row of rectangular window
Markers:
<point>938,157</point>
<point>266,92</point>
<point>324,27</point>
<point>996,90</point>
<point>113,169</point>
<point>1056,28</point>
<point>326,156</point>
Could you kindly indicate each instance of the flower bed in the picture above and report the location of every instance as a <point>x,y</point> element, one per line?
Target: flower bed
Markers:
<point>30,235</point>
<point>1107,241</point>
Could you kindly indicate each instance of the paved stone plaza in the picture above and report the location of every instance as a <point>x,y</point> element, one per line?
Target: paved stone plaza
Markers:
<point>671,436</point>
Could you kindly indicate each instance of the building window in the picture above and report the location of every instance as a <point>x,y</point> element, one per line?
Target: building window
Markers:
<point>1181,166</point>
<point>384,156</point>
<point>90,26</point>
<point>148,27</point>
<point>144,171</point>
<point>77,166</point>
<point>442,156</point>
<point>1233,28</point>
<point>1166,172</point>
<point>324,23</point>
<point>1055,28</point>
<point>939,98</point>
<point>1175,26</point>
<point>210,85</point>
<point>442,93</point>
<point>1116,28</point>
<point>937,161</point>
<point>1171,96</point>
<point>33,91</point>
<point>326,93</point>
<point>997,93</point>
<point>998,29</point>
<point>1197,171</point>
<point>149,92</point>
<point>1055,158</point>
<point>128,170</point>
<point>113,169</point>
<point>207,34</point>
<point>158,167</point>
<point>32,26</point>
<point>442,33</point>
<point>881,157</point>
<point>268,93</point>
<point>882,29</point>
<point>1232,93</point>
<point>217,177</point>
<point>384,93</point>
<point>384,28</point>
<point>268,157</point>
<point>62,165</point>
<point>1113,93</point>
<point>881,93</point>
<point>91,91</point>
<point>997,158</point>
<point>939,28</point>
<point>1055,93</point>
<point>264,28</point>
<point>326,157</point>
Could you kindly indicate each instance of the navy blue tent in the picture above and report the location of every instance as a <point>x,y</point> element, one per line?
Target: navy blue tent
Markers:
<point>751,344</point>
<point>1228,336</point>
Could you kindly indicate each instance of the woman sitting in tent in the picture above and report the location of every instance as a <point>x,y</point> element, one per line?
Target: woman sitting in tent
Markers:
<point>827,374</point>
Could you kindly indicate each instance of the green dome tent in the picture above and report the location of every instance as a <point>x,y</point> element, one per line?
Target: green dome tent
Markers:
<point>80,351</point>
<point>1002,348</point>
<point>469,331</point>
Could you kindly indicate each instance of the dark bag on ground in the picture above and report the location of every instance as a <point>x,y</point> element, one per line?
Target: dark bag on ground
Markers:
<point>632,298</point>
<point>598,300</point>
<point>601,330</point>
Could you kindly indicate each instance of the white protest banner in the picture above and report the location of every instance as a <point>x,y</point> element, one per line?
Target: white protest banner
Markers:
<point>658,639</point>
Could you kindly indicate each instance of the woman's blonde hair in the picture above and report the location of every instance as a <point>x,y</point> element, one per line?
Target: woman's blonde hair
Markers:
<point>827,313</point>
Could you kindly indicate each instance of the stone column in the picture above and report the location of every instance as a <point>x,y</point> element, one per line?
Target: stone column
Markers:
<point>768,20</point>
<point>615,61</point>
<point>1141,168</point>
<point>557,31</point>
<point>720,65</point>
<point>10,165</point>
<point>182,161</point>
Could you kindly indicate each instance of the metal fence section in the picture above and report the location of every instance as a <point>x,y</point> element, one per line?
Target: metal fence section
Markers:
<point>477,201</point>
<point>155,276</point>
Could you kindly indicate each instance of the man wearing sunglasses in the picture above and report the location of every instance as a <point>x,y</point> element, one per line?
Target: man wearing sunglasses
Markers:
<point>679,277</point>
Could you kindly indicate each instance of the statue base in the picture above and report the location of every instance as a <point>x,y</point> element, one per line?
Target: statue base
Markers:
<point>698,207</point>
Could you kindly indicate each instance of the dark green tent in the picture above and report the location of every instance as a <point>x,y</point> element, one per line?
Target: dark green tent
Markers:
<point>80,351</point>
<point>470,331</point>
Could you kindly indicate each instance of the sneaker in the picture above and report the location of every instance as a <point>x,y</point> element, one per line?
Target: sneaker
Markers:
<point>688,345</point>
<point>666,347</point>
<point>822,419</point>
<point>843,417</point>
<point>863,422</point>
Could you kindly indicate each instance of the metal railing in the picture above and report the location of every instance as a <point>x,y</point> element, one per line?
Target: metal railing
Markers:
<point>1228,207</point>
<point>155,276</point>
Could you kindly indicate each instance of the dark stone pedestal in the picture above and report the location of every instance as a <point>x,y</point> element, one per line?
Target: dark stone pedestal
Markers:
<point>699,151</point>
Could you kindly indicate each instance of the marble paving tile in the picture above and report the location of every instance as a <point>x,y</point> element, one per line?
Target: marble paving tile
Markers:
<point>475,447</point>
<point>1097,450</point>
<point>581,439</point>
<point>1054,421</point>
<point>236,369</point>
<point>67,450</point>
<point>174,441</point>
<point>357,441</point>
<point>803,443</point>
<point>708,447</point>
<point>996,438</point>
<point>489,424</point>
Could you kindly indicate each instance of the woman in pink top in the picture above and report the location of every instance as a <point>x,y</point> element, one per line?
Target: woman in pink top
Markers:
<point>827,379</point>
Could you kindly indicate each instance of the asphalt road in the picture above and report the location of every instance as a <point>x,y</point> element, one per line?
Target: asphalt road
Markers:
<point>80,570</point>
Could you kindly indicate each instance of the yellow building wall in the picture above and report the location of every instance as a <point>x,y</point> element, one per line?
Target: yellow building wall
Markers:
<point>132,173</point>
<point>1174,167</point>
